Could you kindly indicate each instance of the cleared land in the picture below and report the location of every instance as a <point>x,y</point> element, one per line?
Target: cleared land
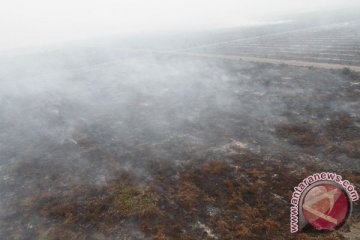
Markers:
<point>333,44</point>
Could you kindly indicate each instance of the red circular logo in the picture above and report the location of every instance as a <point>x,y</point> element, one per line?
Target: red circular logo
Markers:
<point>325,206</point>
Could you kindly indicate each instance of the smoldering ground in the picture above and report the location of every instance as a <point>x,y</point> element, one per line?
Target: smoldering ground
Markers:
<point>125,145</point>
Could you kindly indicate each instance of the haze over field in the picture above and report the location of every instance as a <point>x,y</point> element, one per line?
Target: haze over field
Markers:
<point>39,22</point>
<point>173,120</point>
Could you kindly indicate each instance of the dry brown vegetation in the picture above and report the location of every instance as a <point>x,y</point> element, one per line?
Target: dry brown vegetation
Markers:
<point>186,190</point>
<point>339,135</point>
<point>245,197</point>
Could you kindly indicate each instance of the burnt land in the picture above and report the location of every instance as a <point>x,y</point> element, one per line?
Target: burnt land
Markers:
<point>216,160</point>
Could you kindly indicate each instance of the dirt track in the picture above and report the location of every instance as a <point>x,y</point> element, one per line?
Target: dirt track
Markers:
<point>269,60</point>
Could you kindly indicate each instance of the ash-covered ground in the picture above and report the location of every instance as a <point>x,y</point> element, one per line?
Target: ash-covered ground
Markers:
<point>154,146</point>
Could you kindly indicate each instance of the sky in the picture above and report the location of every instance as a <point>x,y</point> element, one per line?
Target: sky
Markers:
<point>30,23</point>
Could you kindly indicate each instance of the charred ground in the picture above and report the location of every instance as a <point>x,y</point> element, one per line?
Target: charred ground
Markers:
<point>217,160</point>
